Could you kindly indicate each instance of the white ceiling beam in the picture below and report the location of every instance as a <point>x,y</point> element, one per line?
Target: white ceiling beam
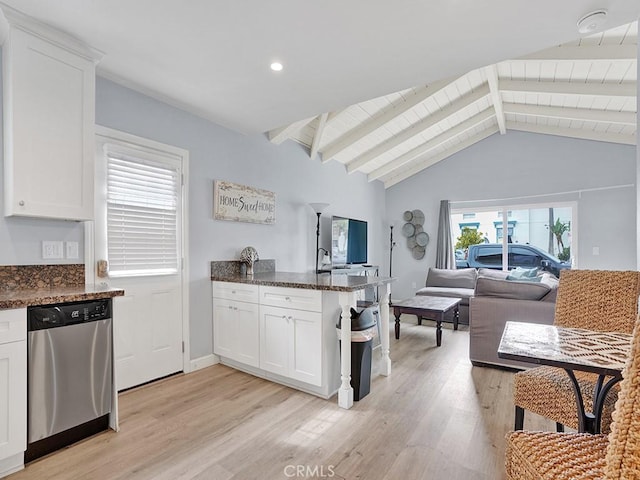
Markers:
<point>315,143</point>
<point>382,119</point>
<point>391,180</point>
<point>627,89</point>
<point>432,144</point>
<point>417,128</point>
<point>496,98</point>
<point>573,133</point>
<point>281,134</point>
<point>584,114</point>
<point>332,115</point>
<point>586,53</point>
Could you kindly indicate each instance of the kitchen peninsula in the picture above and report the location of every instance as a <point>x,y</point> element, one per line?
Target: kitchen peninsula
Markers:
<point>282,326</point>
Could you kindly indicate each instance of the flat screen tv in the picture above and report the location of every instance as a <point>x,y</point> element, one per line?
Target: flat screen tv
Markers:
<point>348,241</point>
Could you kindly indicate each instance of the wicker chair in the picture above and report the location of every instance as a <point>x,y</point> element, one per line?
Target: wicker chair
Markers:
<point>596,300</point>
<point>581,456</point>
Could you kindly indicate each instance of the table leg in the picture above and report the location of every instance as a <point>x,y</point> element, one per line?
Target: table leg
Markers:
<point>599,396</point>
<point>345,392</point>
<point>385,367</point>
<point>396,313</point>
<point>419,319</point>
<point>456,318</point>
<point>439,329</point>
<point>586,421</point>
<point>590,422</point>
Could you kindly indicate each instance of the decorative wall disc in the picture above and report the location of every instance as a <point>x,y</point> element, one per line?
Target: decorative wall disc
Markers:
<point>411,242</point>
<point>417,217</point>
<point>408,215</point>
<point>408,229</point>
<point>422,239</point>
<point>418,252</point>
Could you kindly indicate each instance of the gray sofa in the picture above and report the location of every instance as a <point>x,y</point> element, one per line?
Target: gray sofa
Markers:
<point>490,298</point>
<point>497,301</point>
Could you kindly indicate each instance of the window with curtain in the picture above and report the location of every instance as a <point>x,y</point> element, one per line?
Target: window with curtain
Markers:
<point>142,217</point>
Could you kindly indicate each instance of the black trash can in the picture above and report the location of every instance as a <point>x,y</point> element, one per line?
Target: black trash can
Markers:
<point>364,328</point>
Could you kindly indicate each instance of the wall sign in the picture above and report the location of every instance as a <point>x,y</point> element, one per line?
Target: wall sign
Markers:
<point>241,203</point>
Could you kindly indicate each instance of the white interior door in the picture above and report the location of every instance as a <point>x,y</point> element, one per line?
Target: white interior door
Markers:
<point>139,234</point>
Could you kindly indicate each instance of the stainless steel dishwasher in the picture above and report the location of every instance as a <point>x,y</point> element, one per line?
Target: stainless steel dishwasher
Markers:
<point>69,374</point>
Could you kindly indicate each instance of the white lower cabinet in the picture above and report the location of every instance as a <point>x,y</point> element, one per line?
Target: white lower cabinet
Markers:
<point>286,335</point>
<point>236,331</point>
<point>13,385</point>
<point>291,343</point>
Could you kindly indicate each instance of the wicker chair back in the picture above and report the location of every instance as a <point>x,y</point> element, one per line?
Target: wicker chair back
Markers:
<point>602,300</point>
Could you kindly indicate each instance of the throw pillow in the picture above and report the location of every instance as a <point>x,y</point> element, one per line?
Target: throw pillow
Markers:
<point>461,278</point>
<point>487,272</point>
<point>519,273</point>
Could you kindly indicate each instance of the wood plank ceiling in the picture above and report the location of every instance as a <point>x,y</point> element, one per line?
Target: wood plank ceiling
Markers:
<point>585,89</point>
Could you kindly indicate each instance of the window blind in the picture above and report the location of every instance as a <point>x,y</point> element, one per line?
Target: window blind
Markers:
<point>142,217</point>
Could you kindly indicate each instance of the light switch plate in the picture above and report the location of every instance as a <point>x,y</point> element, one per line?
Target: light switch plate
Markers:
<point>73,250</point>
<point>51,249</point>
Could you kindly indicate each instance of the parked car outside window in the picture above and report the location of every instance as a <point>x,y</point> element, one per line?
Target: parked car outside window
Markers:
<point>525,256</point>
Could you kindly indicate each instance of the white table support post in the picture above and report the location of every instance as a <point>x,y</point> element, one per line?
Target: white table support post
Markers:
<point>384,331</point>
<point>345,393</point>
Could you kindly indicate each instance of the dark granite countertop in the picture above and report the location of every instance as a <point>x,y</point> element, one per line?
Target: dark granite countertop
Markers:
<point>18,298</point>
<point>312,281</point>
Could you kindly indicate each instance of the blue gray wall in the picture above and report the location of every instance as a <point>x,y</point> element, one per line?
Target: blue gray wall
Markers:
<point>287,170</point>
<point>518,165</point>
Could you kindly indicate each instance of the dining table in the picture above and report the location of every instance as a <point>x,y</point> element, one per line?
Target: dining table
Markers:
<point>571,349</point>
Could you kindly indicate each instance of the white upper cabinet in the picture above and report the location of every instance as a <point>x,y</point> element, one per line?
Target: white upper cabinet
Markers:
<point>49,117</point>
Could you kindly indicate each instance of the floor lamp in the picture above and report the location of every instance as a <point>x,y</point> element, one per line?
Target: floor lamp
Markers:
<point>318,208</point>
<point>391,245</point>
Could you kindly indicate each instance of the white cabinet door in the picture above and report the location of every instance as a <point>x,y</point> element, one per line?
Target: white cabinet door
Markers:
<point>49,96</point>
<point>275,339</point>
<point>223,328</point>
<point>291,343</point>
<point>236,331</point>
<point>305,347</point>
<point>13,407</point>
<point>247,333</point>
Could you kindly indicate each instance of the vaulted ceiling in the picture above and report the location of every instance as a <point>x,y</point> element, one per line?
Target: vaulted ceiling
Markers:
<point>211,58</point>
<point>582,89</point>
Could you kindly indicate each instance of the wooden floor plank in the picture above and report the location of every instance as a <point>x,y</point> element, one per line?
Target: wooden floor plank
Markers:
<point>436,417</point>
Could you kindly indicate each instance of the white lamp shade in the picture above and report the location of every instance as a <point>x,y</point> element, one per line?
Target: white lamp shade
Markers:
<point>318,207</point>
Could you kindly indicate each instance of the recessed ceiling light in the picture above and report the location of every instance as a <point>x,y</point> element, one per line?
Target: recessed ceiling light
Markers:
<point>592,21</point>
<point>276,66</point>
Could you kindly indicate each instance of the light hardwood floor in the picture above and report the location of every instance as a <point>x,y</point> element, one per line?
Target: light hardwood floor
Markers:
<point>436,417</point>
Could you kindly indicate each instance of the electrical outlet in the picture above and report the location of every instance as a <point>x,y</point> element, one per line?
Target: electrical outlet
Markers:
<point>73,250</point>
<point>51,249</point>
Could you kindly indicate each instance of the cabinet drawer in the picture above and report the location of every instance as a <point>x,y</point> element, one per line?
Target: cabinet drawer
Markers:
<point>298,298</point>
<point>236,291</point>
<point>13,325</point>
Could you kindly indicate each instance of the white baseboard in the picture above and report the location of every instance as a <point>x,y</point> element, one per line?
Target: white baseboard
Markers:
<point>203,362</point>
<point>12,464</point>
